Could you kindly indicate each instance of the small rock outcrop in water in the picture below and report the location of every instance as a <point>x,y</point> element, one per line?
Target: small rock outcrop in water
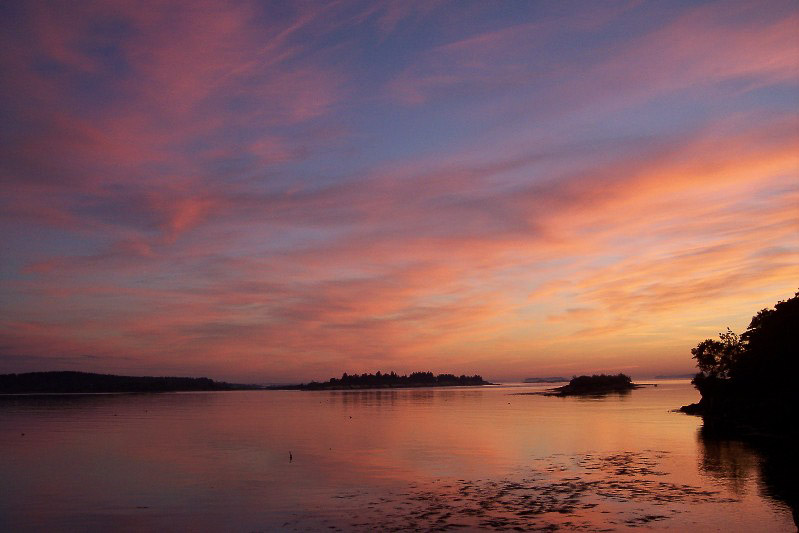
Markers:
<point>86,382</point>
<point>391,380</point>
<point>555,379</point>
<point>594,385</point>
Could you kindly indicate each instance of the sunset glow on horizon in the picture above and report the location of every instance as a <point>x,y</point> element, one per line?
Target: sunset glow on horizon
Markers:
<point>285,191</point>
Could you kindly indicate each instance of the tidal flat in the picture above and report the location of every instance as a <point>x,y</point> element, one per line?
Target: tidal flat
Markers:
<point>579,492</point>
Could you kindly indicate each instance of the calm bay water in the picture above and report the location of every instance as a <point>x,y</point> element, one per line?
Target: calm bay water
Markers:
<point>463,458</point>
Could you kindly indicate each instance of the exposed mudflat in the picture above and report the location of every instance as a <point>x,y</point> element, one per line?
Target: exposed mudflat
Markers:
<point>602,492</point>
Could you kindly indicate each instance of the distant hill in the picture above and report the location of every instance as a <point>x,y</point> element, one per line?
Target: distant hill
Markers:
<point>85,382</point>
<point>391,380</point>
<point>676,376</point>
<point>546,380</point>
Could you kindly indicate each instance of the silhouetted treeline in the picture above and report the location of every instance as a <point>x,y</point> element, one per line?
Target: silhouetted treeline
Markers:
<point>596,384</point>
<point>84,382</point>
<point>391,379</point>
<point>749,381</point>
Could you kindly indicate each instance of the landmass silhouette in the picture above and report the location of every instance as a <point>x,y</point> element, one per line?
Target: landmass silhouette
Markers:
<point>596,385</point>
<point>380,380</point>
<point>553,379</point>
<point>748,381</point>
<point>85,382</point>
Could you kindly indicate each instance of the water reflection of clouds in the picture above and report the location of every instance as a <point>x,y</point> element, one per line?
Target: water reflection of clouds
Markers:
<point>215,455</point>
<point>383,397</point>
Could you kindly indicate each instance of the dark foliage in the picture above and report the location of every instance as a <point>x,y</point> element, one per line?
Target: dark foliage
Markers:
<point>380,380</point>
<point>601,381</point>
<point>717,358</point>
<point>84,382</point>
<point>749,380</point>
<point>596,384</point>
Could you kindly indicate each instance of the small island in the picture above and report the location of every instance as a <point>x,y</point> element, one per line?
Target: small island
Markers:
<point>595,385</point>
<point>68,382</point>
<point>390,380</point>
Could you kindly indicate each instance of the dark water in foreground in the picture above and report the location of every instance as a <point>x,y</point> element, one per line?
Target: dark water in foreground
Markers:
<point>445,459</point>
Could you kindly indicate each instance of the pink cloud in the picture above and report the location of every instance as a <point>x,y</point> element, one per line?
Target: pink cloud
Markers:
<point>183,69</point>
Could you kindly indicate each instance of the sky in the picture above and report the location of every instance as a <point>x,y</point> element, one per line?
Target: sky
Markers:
<point>285,191</point>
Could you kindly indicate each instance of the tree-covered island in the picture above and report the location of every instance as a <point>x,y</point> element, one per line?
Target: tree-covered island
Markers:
<point>594,385</point>
<point>391,380</point>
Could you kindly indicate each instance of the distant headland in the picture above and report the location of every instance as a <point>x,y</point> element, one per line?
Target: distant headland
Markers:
<point>674,376</point>
<point>86,383</point>
<point>389,380</point>
<point>554,379</point>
